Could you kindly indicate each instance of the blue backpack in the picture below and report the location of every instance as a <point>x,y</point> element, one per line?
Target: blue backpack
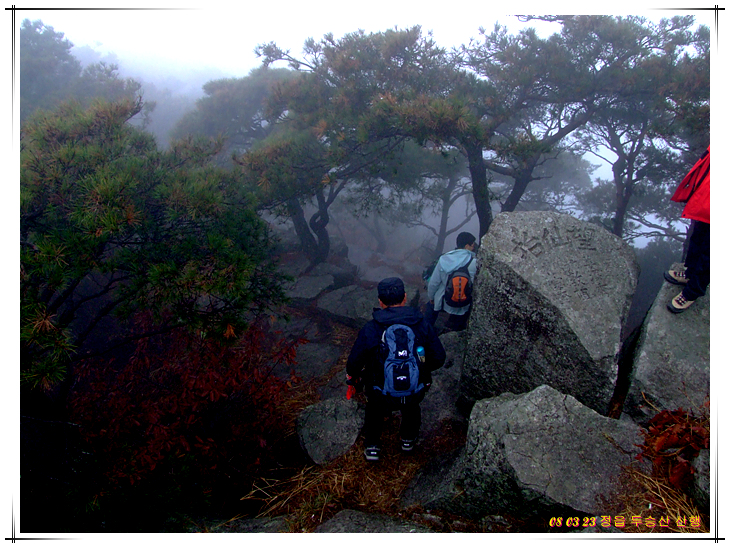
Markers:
<point>400,362</point>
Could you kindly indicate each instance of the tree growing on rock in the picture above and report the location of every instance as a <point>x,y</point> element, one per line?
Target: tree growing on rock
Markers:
<point>643,126</point>
<point>332,107</point>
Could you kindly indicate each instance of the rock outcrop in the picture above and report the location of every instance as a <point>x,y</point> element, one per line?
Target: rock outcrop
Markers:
<point>308,288</point>
<point>352,521</point>
<point>672,362</point>
<point>530,454</point>
<point>341,275</point>
<point>539,364</point>
<point>329,428</point>
<point>551,297</point>
<point>353,305</point>
<point>545,447</point>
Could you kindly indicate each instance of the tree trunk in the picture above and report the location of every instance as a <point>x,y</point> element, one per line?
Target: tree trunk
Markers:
<point>623,195</point>
<point>446,204</point>
<point>306,239</point>
<point>480,187</point>
<point>522,179</point>
<point>318,223</point>
<point>377,233</point>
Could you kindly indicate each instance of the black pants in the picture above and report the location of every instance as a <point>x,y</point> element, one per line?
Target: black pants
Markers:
<point>455,322</point>
<point>378,406</point>
<point>697,262</point>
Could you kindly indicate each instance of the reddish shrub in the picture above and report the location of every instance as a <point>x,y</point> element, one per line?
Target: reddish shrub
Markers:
<point>182,401</point>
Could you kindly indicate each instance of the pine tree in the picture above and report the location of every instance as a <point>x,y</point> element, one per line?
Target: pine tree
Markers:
<point>111,225</point>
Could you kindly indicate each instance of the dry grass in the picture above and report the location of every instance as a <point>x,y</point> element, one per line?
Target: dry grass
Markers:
<point>316,493</point>
<point>645,499</point>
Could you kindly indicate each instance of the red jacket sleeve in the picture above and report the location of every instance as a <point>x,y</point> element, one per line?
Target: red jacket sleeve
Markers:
<point>695,190</point>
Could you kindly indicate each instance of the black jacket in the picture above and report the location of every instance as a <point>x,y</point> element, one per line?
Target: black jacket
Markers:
<point>363,360</point>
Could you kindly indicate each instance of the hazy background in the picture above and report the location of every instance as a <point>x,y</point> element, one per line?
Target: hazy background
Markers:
<point>178,50</point>
<point>175,50</point>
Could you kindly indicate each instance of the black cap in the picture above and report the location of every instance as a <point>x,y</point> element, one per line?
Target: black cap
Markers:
<point>391,291</point>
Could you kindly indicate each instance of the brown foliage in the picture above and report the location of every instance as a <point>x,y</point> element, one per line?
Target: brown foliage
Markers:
<point>660,502</point>
<point>182,399</point>
<point>672,440</point>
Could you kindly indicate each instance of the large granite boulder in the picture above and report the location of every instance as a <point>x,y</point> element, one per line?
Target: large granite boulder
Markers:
<point>353,521</point>
<point>545,447</point>
<point>672,361</point>
<point>307,288</point>
<point>341,275</point>
<point>531,454</point>
<point>438,486</point>
<point>353,305</point>
<point>551,297</point>
<point>329,428</point>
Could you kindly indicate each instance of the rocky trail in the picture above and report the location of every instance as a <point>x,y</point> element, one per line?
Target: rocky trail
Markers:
<point>516,434</point>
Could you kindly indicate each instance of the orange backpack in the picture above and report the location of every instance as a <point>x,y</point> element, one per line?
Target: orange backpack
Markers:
<point>459,287</point>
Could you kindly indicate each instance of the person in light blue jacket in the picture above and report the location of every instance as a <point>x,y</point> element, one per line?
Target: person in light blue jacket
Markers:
<point>448,262</point>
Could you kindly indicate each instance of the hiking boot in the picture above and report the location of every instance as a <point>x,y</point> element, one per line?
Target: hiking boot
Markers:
<point>678,277</point>
<point>407,445</point>
<point>679,304</point>
<point>372,453</point>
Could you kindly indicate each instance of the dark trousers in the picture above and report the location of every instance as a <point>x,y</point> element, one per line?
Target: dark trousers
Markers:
<point>430,314</point>
<point>697,262</point>
<point>378,406</point>
<point>456,322</point>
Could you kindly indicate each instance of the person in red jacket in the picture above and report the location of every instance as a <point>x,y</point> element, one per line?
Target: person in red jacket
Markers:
<point>695,191</point>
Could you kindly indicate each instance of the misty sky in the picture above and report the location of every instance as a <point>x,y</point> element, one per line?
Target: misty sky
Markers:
<point>197,42</point>
<point>175,40</point>
<point>225,38</point>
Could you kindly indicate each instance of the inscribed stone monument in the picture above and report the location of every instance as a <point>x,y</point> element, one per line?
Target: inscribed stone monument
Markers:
<point>551,297</point>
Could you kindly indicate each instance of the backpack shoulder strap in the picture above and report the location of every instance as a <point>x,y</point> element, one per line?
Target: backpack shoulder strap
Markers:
<point>466,266</point>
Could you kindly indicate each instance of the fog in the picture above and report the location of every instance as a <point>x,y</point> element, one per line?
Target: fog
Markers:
<point>174,52</point>
<point>219,37</point>
<point>181,38</point>
<point>176,49</point>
